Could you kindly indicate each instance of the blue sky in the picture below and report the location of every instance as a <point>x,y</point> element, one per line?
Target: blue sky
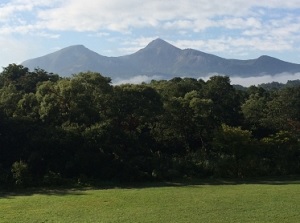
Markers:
<point>229,28</point>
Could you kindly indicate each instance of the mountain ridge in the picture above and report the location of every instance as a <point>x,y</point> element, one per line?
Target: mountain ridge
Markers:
<point>157,58</point>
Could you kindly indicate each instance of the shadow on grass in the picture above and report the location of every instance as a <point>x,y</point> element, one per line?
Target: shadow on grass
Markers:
<point>239,181</point>
<point>81,189</point>
<point>40,191</point>
<point>218,181</point>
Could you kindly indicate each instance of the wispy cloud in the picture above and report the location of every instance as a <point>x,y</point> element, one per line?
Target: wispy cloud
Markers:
<point>136,80</point>
<point>244,81</point>
<point>229,27</point>
<point>236,45</point>
<point>120,15</point>
<point>10,46</point>
<point>248,81</point>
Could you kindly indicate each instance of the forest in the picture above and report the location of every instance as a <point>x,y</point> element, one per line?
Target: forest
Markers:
<point>83,129</point>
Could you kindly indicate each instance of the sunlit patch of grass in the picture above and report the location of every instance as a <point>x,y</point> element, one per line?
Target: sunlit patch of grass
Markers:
<point>242,202</point>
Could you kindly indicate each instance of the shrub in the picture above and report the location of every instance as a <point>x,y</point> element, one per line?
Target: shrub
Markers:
<point>20,173</point>
<point>52,179</point>
<point>5,178</point>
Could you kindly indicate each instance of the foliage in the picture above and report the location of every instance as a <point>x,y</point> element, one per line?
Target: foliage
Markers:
<point>233,148</point>
<point>52,179</point>
<point>54,128</point>
<point>282,153</point>
<point>20,173</point>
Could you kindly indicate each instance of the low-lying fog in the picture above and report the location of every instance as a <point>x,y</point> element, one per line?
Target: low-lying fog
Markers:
<point>244,81</point>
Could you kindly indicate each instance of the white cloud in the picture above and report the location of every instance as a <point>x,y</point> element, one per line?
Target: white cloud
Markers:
<point>13,51</point>
<point>48,35</point>
<point>119,15</point>
<point>248,81</point>
<point>240,23</point>
<point>136,80</point>
<point>101,34</point>
<point>123,16</point>
<point>230,26</point>
<point>281,78</point>
<point>9,10</point>
<point>179,24</point>
<point>244,81</point>
<point>235,45</point>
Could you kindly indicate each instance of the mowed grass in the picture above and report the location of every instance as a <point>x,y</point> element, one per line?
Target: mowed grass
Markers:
<point>271,201</point>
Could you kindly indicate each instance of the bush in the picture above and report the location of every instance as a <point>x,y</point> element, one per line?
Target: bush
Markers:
<point>21,173</point>
<point>52,179</point>
<point>5,179</point>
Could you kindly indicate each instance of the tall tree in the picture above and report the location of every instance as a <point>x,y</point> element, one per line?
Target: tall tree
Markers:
<point>282,112</point>
<point>226,101</point>
<point>233,147</point>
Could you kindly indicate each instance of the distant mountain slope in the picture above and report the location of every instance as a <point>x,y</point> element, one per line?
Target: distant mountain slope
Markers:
<point>157,58</point>
<point>75,59</point>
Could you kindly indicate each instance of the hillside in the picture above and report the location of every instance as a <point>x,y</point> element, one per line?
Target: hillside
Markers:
<point>157,58</point>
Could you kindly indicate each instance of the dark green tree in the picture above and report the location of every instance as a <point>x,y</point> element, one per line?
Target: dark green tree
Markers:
<point>233,149</point>
<point>226,100</point>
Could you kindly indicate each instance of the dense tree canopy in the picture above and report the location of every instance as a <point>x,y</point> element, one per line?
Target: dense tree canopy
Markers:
<point>84,128</point>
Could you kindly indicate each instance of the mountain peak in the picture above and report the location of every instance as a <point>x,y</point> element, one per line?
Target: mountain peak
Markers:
<point>74,47</point>
<point>264,57</point>
<point>159,43</point>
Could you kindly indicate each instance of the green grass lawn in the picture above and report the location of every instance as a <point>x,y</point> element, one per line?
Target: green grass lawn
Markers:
<point>270,201</point>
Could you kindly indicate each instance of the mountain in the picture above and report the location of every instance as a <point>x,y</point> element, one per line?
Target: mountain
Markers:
<point>75,59</point>
<point>157,58</point>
